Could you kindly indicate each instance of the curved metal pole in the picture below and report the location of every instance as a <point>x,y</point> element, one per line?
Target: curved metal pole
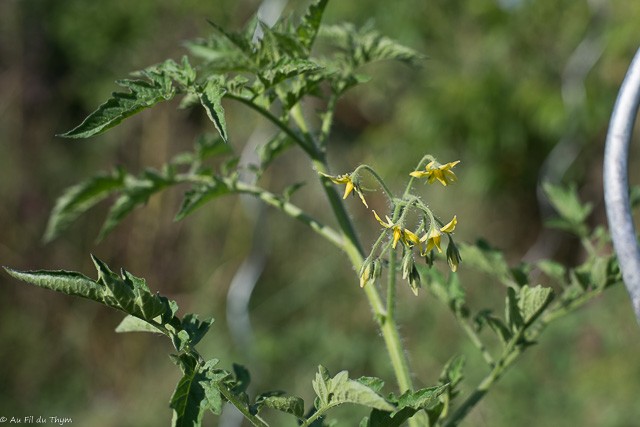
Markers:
<point>616,186</point>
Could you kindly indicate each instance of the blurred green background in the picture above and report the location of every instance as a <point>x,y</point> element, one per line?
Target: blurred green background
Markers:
<point>515,89</point>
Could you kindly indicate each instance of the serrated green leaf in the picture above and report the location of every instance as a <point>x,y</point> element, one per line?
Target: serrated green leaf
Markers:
<point>422,399</point>
<point>452,373</point>
<point>212,393</point>
<point>320,385</point>
<point>277,400</point>
<point>310,24</point>
<point>196,328</point>
<point>242,378</point>
<point>184,74</point>
<point>239,40</point>
<point>199,195</point>
<point>287,68</point>
<point>180,339</point>
<point>189,400</point>
<point>340,389</point>
<point>350,391</point>
<point>366,45</point>
<point>134,324</point>
<point>67,282</point>
<point>375,384</point>
<point>78,199</point>
<point>512,314</point>
<point>407,406</point>
<point>532,301</point>
<point>210,98</point>
<point>118,293</point>
<point>142,94</point>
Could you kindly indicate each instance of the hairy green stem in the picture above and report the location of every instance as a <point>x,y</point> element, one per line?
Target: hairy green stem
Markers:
<point>354,251</point>
<point>273,200</point>
<point>391,284</point>
<point>302,142</point>
<point>242,407</point>
<point>350,242</point>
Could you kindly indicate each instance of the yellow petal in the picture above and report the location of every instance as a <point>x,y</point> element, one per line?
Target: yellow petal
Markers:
<point>364,202</point>
<point>397,233</point>
<point>451,225</point>
<point>410,238</point>
<point>450,165</point>
<point>348,189</point>
<point>419,174</point>
<point>379,220</point>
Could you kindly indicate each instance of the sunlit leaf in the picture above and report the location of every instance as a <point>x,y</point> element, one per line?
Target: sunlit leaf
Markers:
<point>531,302</point>
<point>340,389</point>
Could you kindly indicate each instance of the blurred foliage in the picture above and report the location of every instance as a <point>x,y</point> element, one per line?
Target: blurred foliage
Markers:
<point>499,91</point>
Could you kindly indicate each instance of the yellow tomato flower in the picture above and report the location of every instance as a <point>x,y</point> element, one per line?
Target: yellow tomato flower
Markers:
<point>434,237</point>
<point>436,171</point>
<point>350,185</point>
<point>408,237</point>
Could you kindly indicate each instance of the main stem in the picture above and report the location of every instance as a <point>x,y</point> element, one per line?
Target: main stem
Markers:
<point>354,251</point>
<point>351,244</point>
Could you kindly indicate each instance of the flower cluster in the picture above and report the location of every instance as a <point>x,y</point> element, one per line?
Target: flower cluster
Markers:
<point>431,229</point>
<point>436,171</point>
